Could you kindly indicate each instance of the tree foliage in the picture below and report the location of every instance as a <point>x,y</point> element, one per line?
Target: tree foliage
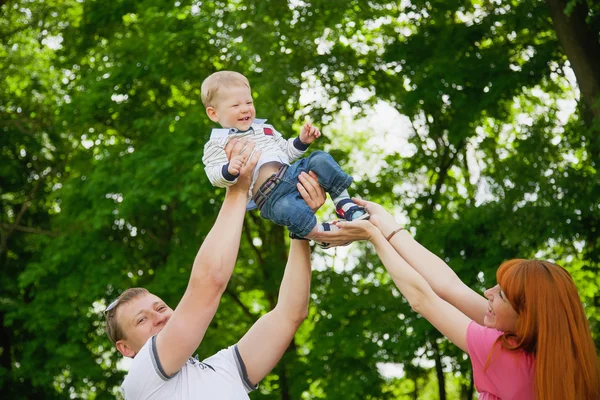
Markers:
<point>103,188</point>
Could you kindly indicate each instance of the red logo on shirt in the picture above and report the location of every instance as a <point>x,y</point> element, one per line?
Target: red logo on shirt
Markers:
<point>268,131</point>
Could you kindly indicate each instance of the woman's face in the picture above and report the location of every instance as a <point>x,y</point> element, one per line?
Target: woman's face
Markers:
<point>500,314</point>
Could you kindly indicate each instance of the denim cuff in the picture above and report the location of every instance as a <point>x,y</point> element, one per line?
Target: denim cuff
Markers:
<point>227,175</point>
<point>338,189</point>
<point>299,145</point>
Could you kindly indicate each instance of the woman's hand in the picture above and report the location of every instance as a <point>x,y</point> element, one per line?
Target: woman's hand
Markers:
<point>310,190</point>
<point>348,232</point>
<point>379,216</point>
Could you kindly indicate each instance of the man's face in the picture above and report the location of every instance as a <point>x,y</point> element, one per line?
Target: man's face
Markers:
<point>140,319</point>
<point>234,108</point>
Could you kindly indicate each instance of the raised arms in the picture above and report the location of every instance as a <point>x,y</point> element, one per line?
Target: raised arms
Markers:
<point>210,274</point>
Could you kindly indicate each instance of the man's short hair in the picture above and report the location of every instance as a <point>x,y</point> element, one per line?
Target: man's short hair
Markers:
<point>222,79</point>
<point>113,329</point>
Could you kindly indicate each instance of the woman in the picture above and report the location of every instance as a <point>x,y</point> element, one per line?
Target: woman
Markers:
<point>528,338</point>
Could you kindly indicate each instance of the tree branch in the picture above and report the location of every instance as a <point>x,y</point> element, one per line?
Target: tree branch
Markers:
<point>26,229</point>
<point>245,309</point>
<point>580,44</point>
<point>24,207</point>
<point>447,162</point>
<point>19,126</point>
<point>257,253</point>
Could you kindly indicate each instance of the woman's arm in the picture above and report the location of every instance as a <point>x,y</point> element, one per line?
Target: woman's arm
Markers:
<point>442,279</point>
<point>443,316</point>
<point>439,275</point>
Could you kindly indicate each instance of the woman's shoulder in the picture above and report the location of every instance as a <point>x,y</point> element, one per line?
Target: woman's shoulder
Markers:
<point>483,342</point>
<point>482,334</point>
<point>499,371</point>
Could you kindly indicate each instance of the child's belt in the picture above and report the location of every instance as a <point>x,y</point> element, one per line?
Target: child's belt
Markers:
<point>266,189</point>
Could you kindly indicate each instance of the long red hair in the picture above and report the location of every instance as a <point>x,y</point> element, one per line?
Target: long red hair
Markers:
<point>551,324</point>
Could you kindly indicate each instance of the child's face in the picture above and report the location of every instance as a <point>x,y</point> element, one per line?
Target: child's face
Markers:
<point>234,108</point>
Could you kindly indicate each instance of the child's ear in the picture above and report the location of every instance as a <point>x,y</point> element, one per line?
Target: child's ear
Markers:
<point>212,114</point>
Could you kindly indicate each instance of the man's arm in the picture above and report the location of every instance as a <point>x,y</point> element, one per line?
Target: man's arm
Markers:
<point>211,271</point>
<point>264,344</point>
<point>266,341</point>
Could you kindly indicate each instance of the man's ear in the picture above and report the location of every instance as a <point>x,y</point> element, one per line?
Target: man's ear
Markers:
<point>124,349</point>
<point>212,114</point>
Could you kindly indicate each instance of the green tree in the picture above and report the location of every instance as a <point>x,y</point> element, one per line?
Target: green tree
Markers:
<point>102,185</point>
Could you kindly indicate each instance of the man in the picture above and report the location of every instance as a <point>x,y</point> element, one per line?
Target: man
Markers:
<point>162,340</point>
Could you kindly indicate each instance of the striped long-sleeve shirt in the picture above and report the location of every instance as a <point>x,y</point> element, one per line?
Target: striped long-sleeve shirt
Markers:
<point>273,145</point>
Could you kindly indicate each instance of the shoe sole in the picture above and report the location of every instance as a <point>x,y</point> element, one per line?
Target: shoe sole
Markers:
<point>366,215</point>
<point>328,245</point>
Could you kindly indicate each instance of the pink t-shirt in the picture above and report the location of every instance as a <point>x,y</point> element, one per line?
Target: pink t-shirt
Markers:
<point>510,374</point>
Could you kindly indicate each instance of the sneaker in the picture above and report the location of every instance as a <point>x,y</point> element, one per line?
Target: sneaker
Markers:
<point>327,227</point>
<point>350,211</point>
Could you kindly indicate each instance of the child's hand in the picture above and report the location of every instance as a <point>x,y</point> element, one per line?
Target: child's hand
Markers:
<point>236,164</point>
<point>309,133</point>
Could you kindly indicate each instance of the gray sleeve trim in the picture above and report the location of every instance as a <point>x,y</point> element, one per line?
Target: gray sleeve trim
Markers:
<point>156,361</point>
<point>242,370</point>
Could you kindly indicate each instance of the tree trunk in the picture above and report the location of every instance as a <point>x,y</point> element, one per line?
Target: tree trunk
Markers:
<point>466,390</point>
<point>283,382</point>
<point>581,46</point>
<point>439,370</point>
<point>471,387</point>
<point>5,345</point>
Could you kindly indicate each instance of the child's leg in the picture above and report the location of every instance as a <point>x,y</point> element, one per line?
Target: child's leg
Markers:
<point>322,227</point>
<point>291,211</point>
<point>335,182</point>
<point>331,177</point>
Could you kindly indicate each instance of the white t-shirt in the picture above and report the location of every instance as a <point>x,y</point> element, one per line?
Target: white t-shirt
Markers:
<point>221,376</point>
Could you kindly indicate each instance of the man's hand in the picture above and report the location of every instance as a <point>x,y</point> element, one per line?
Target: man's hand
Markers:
<point>238,147</point>
<point>243,151</point>
<point>309,133</point>
<point>313,194</point>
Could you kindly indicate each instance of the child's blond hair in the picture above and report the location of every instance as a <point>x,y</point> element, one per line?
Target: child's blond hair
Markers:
<point>222,79</point>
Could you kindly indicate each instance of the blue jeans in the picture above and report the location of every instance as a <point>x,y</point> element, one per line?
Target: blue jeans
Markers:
<point>285,206</point>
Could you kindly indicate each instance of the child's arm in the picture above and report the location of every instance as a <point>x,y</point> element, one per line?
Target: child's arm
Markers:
<point>293,147</point>
<point>220,171</point>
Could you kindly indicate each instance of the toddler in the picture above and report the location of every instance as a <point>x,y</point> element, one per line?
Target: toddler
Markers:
<point>228,101</point>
